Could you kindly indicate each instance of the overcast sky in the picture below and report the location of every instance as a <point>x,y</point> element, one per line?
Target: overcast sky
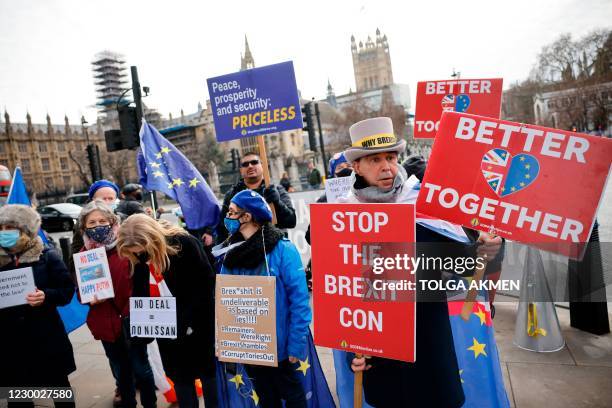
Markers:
<point>46,46</point>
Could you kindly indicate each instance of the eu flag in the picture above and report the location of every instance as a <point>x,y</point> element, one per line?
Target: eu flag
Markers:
<point>162,167</point>
<point>236,390</point>
<point>73,314</point>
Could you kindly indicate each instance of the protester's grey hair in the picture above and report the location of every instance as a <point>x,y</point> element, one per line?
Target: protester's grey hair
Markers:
<point>97,205</point>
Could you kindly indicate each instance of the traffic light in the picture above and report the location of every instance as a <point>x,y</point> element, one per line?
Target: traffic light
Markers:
<point>93,154</point>
<point>309,126</point>
<point>235,159</point>
<point>128,122</point>
<point>127,137</point>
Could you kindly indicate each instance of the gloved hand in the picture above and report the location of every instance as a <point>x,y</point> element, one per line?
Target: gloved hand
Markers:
<point>271,194</point>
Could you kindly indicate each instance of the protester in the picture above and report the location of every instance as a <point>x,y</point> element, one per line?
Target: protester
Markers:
<point>108,319</point>
<point>131,200</point>
<point>433,380</point>
<point>170,252</point>
<point>35,346</point>
<point>103,190</point>
<point>286,183</point>
<point>263,251</point>
<point>251,171</point>
<point>314,176</point>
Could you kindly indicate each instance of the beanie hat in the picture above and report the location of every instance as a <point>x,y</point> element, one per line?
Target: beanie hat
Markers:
<point>254,204</point>
<point>100,184</point>
<point>334,162</point>
<point>21,216</point>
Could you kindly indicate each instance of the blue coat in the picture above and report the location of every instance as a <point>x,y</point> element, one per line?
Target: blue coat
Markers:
<point>293,314</point>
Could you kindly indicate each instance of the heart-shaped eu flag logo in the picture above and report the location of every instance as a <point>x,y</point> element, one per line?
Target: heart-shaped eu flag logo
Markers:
<point>456,103</point>
<point>506,174</point>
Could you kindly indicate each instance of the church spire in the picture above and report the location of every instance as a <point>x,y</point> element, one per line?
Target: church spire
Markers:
<point>246,61</point>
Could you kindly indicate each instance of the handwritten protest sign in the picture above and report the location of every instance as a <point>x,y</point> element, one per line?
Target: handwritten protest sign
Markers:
<point>337,187</point>
<point>357,308</point>
<point>527,183</point>
<point>475,96</point>
<point>153,317</point>
<point>15,284</point>
<point>93,275</point>
<point>245,312</point>
<point>255,102</point>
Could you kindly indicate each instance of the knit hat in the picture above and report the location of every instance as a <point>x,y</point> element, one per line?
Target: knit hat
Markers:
<point>334,162</point>
<point>254,204</point>
<point>100,184</point>
<point>373,136</point>
<point>21,216</point>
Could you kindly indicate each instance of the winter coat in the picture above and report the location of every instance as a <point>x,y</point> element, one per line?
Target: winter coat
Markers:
<point>34,342</point>
<point>191,280</point>
<point>104,319</point>
<point>293,314</point>
<point>285,213</point>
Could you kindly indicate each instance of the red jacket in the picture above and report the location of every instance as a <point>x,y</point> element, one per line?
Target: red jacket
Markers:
<point>104,319</point>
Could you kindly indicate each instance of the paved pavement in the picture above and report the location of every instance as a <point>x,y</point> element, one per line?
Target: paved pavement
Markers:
<point>579,375</point>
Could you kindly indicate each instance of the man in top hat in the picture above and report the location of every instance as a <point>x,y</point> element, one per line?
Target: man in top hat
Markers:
<point>433,380</point>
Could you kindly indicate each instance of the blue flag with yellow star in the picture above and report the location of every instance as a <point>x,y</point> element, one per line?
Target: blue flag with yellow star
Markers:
<point>162,167</point>
<point>236,390</point>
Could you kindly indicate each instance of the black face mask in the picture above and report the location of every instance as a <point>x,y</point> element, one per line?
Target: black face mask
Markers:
<point>138,195</point>
<point>345,172</point>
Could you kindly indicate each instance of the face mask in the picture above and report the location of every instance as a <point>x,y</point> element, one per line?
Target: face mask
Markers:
<point>345,172</point>
<point>8,238</point>
<point>102,234</point>
<point>113,206</point>
<point>143,257</point>
<point>232,225</point>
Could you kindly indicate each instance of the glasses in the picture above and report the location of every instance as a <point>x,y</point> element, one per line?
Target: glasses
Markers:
<point>232,213</point>
<point>250,162</point>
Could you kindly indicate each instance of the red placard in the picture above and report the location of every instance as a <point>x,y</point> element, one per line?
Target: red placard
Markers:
<point>527,183</point>
<point>475,96</point>
<point>352,311</point>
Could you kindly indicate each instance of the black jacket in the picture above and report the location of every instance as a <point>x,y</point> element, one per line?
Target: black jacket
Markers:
<point>34,341</point>
<point>191,280</point>
<point>285,213</point>
<point>433,380</point>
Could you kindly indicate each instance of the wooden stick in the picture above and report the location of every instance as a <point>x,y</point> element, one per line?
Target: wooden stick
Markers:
<point>358,387</point>
<point>266,172</point>
<point>468,304</point>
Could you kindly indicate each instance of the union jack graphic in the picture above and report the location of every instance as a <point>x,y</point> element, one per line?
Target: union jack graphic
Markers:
<point>494,168</point>
<point>448,103</point>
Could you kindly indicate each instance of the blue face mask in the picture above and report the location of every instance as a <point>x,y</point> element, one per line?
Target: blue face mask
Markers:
<point>8,238</point>
<point>102,234</point>
<point>232,225</point>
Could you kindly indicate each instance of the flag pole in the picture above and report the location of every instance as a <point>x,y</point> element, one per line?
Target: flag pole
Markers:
<point>358,387</point>
<point>266,172</point>
<point>468,304</point>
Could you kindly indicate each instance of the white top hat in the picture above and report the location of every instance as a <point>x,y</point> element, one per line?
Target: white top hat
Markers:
<point>373,136</point>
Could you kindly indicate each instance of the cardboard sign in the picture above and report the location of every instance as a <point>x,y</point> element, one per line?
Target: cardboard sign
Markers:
<point>15,284</point>
<point>475,96</point>
<point>526,183</point>
<point>354,308</point>
<point>153,317</point>
<point>245,314</point>
<point>337,187</point>
<point>93,275</point>
<point>255,102</point>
